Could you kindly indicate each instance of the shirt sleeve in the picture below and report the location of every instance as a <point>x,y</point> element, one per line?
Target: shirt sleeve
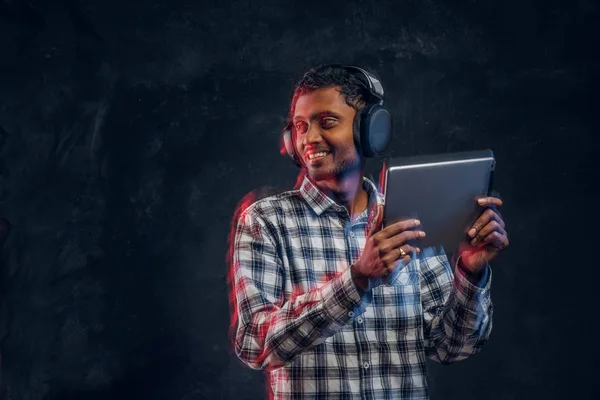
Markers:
<point>272,329</point>
<point>457,314</point>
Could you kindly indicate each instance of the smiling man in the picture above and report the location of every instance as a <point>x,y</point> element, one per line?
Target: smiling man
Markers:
<point>332,306</point>
<point>324,139</point>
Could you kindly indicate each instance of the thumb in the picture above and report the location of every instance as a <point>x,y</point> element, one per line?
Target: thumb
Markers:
<point>375,220</point>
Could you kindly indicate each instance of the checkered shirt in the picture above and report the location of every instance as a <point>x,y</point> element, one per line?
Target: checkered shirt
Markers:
<point>301,318</point>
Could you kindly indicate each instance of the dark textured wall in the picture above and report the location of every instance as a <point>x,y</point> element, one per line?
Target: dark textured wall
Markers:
<point>130,130</point>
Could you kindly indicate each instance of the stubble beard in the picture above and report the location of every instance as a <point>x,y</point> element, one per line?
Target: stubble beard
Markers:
<point>350,163</point>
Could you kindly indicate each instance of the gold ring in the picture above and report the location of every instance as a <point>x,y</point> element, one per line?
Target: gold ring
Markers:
<point>402,252</point>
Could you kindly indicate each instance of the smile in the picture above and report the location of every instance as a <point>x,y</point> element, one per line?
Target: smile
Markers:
<point>315,156</point>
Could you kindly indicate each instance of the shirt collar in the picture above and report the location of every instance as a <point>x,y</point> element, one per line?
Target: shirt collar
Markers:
<point>320,202</point>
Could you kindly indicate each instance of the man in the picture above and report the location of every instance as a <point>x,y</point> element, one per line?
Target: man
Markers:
<point>316,305</point>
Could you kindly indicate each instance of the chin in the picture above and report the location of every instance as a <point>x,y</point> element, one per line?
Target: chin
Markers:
<point>335,171</point>
<point>319,175</point>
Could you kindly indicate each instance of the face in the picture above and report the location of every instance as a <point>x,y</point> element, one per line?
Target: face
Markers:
<point>323,135</point>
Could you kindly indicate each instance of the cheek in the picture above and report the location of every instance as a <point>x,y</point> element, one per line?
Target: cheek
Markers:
<point>298,143</point>
<point>345,143</point>
<point>349,150</point>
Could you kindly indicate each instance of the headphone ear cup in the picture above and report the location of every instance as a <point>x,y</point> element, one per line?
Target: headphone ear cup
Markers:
<point>356,128</point>
<point>288,145</point>
<point>375,130</point>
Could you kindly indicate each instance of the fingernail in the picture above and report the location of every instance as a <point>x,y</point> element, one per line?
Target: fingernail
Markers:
<point>482,201</point>
<point>473,242</point>
<point>422,234</point>
<point>417,222</point>
<point>472,232</point>
<point>418,250</point>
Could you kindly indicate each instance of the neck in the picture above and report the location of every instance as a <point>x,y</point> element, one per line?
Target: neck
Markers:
<point>348,191</point>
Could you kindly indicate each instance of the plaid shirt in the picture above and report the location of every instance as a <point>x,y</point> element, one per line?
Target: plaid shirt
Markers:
<point>300,316</point>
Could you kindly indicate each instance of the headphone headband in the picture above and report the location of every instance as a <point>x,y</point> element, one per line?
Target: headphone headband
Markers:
<point>368,79</point>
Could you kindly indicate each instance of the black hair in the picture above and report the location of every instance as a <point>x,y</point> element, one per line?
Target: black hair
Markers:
<point>354,91</point>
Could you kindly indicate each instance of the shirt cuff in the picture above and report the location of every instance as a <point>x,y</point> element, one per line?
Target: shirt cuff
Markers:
<point>469,294</point>
<point>481,282</point>
<point>340,297</point>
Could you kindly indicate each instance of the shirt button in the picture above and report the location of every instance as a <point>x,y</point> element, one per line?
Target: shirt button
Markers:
<point>351,234</point>
<point>366,365</point>
<point>359,320</point>
<point>351,314</point>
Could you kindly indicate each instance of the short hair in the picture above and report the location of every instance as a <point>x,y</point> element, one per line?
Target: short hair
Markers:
<point>354,91</point>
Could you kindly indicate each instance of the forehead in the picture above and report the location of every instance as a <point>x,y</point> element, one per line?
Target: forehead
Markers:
<point>321,99</point>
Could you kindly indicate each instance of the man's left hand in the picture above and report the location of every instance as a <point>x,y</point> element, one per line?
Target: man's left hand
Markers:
<point>488,238</point>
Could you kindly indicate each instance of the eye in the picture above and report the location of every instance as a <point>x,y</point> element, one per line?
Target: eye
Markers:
<point>300,127</point>
<point>328,122</point>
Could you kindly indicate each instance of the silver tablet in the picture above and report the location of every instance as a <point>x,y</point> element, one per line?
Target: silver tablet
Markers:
<point>441,191</point>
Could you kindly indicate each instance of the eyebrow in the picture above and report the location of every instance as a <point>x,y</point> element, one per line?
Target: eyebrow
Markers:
<point>317,114</point>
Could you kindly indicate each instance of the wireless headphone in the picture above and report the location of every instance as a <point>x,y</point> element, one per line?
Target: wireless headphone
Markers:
<point>372,127</point>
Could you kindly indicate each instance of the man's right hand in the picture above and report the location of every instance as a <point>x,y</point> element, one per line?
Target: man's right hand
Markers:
<point>382,251</point>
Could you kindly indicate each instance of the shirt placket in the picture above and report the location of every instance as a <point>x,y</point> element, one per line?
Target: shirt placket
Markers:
<point>355,239</point>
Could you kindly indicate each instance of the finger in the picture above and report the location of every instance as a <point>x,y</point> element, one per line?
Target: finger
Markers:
<point>392,266</point>
<point>402,238</point>
<point>398,227</point>
<point>489,201</point>
<point>492,226</point>
<point>485,218</point>
<point>496,239</point>
<point>396,253</point>
<point>495,210</point>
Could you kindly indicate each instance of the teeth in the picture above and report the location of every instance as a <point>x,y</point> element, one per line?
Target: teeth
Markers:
<point>317,155</point>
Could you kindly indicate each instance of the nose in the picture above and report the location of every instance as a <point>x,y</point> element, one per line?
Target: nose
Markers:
<point>313,135</point>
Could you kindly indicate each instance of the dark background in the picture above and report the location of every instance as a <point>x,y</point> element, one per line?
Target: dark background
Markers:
<point>130,130</point>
